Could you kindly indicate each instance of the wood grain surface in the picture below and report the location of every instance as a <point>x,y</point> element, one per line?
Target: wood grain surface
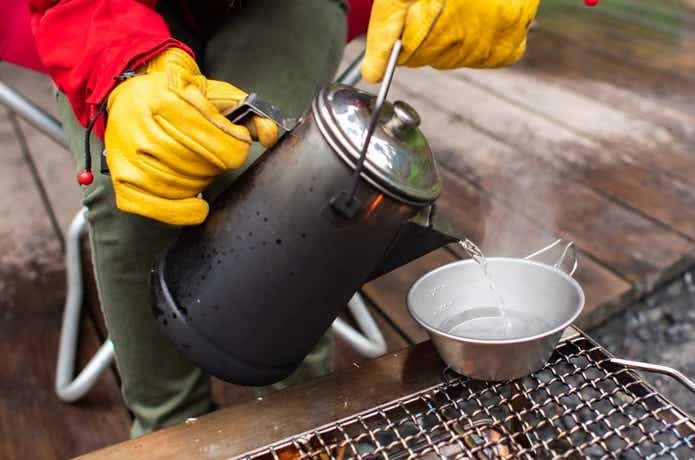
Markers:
<point>590,138</point>
<point>236,430</point>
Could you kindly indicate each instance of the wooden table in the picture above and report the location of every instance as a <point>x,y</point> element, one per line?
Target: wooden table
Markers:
<point>236,430</point>
<point>590,137</point>
<point>240,429</point>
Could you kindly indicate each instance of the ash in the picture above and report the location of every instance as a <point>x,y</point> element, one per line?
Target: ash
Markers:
<point>660,330</point>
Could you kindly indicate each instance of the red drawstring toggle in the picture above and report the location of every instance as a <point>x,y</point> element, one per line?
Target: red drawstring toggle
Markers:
<point>85,177</point>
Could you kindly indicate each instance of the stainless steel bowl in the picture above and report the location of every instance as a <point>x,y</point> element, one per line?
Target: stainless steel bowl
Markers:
<point>541,301</point>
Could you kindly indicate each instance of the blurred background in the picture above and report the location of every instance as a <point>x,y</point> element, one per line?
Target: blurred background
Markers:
<point>590,138</point>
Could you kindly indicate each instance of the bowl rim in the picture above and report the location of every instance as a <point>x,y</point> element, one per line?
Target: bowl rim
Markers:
<point>433,330</point>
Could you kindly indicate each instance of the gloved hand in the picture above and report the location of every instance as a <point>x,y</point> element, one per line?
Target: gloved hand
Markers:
<point>166,138</point>
<point>447,34</point>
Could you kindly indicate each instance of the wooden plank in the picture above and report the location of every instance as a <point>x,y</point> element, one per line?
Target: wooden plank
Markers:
<point>637,248</point>
<point>659,97</point>
<point>55,164</point>
<point>662,15</point>
<point>656,195</point>
<point>489,223</point>
<point>234,431</point>
<point>623,134</point>
<point>668,47</point>
<point>662,22</point>
<point>28,244</point>
<point>33,422</point>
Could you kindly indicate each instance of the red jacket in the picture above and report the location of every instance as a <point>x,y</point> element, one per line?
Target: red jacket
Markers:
<point>17,43</point>
<point>85,44</point>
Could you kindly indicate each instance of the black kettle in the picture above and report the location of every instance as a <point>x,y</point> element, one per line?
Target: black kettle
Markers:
<point>346,196</point>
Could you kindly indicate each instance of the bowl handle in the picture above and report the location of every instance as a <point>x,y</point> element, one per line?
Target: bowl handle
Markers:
<point>568,248</point>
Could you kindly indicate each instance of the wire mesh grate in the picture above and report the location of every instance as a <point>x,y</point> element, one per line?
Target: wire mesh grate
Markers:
<point>580,405</point>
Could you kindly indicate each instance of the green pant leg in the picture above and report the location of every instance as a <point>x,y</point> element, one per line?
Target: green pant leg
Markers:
<point>159,386</point>
<point>284,51</point>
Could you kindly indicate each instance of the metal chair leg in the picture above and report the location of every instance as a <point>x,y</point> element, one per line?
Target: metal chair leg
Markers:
<point>32,114</point>
<point>369,342</point>
<point>67,387</point>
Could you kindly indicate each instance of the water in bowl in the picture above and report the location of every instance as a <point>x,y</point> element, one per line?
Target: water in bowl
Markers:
<point>492,323</point>
<point>477,255</point>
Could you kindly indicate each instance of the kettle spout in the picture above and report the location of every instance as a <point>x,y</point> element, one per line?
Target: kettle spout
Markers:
<point>427,231</point>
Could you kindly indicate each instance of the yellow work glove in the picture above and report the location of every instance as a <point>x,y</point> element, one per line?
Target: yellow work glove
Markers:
<point>167,138</point>
<point>447,34</point>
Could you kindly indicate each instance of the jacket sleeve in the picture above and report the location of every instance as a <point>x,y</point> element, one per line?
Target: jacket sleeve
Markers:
<point>17,44</point>
<point>85,44</point>
<point>358,17</point>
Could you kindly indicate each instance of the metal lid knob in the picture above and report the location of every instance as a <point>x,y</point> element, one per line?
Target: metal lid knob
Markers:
<point>404,118</point>
<point>406,114</point>
<point>399,160</point>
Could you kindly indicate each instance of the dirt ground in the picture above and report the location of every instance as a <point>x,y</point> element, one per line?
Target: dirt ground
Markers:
<point>659,330</point>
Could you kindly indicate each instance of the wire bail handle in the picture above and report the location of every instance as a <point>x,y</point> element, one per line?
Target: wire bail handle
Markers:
<point>345,202</point>
<point>568,249</point>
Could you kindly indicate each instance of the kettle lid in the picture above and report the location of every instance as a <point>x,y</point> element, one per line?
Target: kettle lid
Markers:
<point>399,161</point>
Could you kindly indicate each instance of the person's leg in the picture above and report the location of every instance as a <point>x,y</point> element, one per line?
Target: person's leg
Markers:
<point>285,63</point>
<point>283,51</point>
<point>159,385</point>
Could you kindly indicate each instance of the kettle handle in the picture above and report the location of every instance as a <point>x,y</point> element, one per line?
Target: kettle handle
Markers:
<point>345,203</point>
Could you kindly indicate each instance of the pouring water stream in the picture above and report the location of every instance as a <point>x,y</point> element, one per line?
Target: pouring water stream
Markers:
<point>477,255</point>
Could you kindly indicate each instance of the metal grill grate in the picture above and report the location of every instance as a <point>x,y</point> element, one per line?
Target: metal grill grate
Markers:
<point>580,405</point>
